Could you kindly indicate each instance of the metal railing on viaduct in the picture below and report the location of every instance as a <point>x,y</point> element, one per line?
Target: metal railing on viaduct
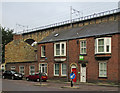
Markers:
<point>71,21</point>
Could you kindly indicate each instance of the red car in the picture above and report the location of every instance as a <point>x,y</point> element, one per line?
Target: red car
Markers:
<point>36,77</point>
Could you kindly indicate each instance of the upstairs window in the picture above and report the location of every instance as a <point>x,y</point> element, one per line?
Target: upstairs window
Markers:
<point>103,45</point>
<point>60,49</point>
<point>83,47</point>
<point>42,51</point>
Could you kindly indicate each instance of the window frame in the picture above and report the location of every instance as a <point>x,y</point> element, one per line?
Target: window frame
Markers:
<point>55,70</point>
<point>62,69</point>
<point>83,46</point>
<point>30,69</point>
<point>105,45</point>
<point>23,70</point>
<point>43,51</point>
<point>44,67</point>
<point>13,67</point>
<point>60,50</point>
<point>104,69</point>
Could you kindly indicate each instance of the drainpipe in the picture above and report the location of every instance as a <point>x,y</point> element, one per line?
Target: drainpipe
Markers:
<point>67,60</point>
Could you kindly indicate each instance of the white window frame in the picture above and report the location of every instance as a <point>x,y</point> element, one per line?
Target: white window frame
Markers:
<point>105,45</point>
<point>44,67</point>
<point>60,49</point>
<point>30,69</point>
<point>105,69</point>
<point>42,51</point>
<point>83,47</point>
<point>13,67</point>
<point>22,70</point>
<point>62,70</point>
<point>54,70</point>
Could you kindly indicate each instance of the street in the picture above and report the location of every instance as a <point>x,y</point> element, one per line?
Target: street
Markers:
<point>23,85</point>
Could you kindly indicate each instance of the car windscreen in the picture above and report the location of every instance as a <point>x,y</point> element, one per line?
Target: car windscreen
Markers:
<point>13,72</point>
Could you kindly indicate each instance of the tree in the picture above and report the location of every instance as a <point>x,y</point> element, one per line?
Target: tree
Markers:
<point>7,36</point>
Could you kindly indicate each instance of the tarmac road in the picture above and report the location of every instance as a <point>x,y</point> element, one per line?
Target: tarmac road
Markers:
<point>22,85</point>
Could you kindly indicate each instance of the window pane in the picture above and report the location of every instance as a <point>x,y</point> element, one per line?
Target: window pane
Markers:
<point>100,48</point>
<point>64,70</point>
<point>57,69</point>
<point>43,51</point>
<point>62,49</point>
<point>57,49</point>
<point>84,43</point>
<point>101,42</point>
<point>107,48</point>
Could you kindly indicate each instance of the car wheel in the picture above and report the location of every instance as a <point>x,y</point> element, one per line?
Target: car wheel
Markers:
<point>3,77</point>
<point>27,79</point>
<point>38,79</point>
<point>13,78</point>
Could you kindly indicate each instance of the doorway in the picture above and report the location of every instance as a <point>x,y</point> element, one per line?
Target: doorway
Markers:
<point>83,73</point>
<point>74,70</point>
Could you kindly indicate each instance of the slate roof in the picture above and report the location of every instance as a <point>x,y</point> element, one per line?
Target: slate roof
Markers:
<point>106,28</point>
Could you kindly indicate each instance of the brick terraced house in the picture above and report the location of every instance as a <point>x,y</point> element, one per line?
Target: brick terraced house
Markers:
<point>90,48</point>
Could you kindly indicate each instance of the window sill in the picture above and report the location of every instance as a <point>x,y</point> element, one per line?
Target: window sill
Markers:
<point>102,77</point>
<point>63,75</point>
<point>83,54</point>
<point>43,57</point>
<point>56,75</point>
<point>101,53</point>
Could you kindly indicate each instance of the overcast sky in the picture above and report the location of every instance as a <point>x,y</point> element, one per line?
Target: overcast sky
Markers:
<point>36,14</point>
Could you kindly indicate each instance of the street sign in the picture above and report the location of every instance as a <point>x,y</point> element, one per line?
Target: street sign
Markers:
<point>72,75</point>
<point>81,57</point>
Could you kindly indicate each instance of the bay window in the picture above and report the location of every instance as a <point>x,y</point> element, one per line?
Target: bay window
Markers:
<point>103,45</point>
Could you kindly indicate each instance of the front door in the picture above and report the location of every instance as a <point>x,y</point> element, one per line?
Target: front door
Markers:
<point>74,71</point>
<point>83,73</point>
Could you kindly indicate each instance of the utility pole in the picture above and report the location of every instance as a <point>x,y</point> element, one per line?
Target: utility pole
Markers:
<point>71,16</point>
<point>23,26</point>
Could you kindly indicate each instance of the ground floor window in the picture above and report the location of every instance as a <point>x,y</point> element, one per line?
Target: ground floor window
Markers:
<point>32,70</point>
<point>43,68</point>
<point>102,69</point>
<point>63,70</point>
<point>22,70</point>
<point>56,69</point>
<point>13,67</point>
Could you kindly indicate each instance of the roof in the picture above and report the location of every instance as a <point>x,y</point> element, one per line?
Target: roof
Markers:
<point>105,28</point>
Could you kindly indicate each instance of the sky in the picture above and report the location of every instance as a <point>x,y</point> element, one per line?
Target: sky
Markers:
<point>32,14</point>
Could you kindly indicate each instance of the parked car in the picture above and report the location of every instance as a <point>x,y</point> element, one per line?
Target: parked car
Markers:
<point>36,77</point>
<point>12,75</point>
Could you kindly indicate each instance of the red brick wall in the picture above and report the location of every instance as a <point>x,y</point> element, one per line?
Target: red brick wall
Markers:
<point>26,65</point>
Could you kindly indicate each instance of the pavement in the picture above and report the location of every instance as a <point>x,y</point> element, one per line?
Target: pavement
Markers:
<point>78,85</point>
